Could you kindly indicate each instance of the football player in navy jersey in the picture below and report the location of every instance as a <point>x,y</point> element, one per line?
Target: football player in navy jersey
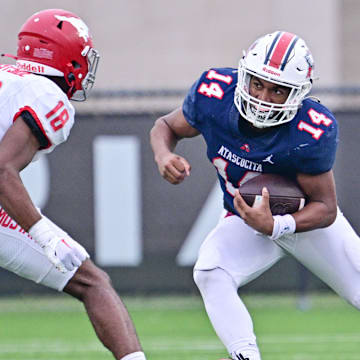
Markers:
<point>55,63</point>
<point>257,119</point>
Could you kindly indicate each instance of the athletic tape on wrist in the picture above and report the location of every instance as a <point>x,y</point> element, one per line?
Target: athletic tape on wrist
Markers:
<point>138,355</point>
<point>41,232</point>
<point>283,224</point>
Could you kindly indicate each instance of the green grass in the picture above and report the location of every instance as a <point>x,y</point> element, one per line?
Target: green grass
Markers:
<point>177,328</point>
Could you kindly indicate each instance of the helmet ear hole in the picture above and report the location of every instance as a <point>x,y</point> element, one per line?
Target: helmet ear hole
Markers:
<point>75,64</point>
<point>60,24</point>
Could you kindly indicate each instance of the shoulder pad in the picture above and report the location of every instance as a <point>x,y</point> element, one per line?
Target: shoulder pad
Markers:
<point>49,106</point>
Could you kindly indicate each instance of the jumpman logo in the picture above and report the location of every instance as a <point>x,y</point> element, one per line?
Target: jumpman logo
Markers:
<point>245,147</point>
<point>268,159</point>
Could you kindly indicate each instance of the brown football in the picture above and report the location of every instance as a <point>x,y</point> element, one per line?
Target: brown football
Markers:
<point>286,197</point>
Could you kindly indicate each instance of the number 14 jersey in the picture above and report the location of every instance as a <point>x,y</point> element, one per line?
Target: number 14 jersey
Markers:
<point>306,144</point>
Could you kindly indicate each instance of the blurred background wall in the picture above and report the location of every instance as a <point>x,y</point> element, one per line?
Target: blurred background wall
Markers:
<point>167,44</point>
<point>103,186</point>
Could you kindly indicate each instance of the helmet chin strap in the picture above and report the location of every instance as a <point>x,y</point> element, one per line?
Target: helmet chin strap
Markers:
<point>70,79</point>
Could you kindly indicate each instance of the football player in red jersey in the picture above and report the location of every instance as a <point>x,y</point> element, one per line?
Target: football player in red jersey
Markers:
<point>264,105</point>
<point>55,63</point>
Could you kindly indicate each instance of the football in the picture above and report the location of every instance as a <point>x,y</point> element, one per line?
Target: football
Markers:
<point>286,197</point>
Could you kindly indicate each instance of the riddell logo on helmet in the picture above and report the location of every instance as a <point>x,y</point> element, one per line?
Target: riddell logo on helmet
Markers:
<point>272,72</point>
<point>31,68</point>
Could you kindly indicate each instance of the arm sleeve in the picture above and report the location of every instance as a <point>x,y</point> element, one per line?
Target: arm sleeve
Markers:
<point>34,127</point>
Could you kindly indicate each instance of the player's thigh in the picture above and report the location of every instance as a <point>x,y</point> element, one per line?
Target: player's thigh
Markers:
<point>333,254</point>
<point>236,248</point>
<point>20,255</point>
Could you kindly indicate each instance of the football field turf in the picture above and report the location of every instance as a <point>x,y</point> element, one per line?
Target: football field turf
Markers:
<point>177,328</point>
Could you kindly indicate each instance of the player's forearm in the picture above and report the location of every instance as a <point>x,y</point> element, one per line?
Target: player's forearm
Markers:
<point>162,139</point>
<point>15,200</point>
<point>321,208</point>
<point>315,215</point>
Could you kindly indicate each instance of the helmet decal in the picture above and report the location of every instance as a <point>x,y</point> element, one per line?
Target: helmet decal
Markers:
<point>43,53</point>
<point>310,62</point>
<point>78,24</point>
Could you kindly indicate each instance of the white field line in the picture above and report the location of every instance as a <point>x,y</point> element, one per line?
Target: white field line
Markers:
<point>180,344</point>
<point>323,338</point>
<point>28,304</point>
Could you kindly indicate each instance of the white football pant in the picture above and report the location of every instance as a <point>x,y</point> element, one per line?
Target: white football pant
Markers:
<point>234,254</point>
<point>21,255</point>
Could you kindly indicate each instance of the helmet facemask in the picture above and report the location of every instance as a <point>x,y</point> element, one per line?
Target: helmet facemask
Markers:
<point>88,82</point>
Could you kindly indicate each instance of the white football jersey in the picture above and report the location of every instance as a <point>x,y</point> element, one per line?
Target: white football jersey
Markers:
<point>47,103</point>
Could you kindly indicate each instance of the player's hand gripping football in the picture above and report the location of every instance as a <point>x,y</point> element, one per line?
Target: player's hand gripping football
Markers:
<point>62,251</point>
<point>259,217</point>
<point>173,168</point>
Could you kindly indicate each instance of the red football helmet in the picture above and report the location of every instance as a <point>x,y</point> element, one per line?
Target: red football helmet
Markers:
<point>58,43</point>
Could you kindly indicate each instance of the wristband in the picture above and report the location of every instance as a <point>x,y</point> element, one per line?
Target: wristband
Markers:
<point>41,232</point>
<point>283,224</point>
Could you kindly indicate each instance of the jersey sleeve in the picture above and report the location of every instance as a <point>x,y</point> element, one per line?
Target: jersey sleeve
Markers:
<point>316,153</point>
<point>50,110</point>
<point>190,106</point>
<point>206,100</point>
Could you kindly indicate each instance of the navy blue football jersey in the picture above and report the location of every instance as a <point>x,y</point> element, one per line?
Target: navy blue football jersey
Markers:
<point>306,144</point>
